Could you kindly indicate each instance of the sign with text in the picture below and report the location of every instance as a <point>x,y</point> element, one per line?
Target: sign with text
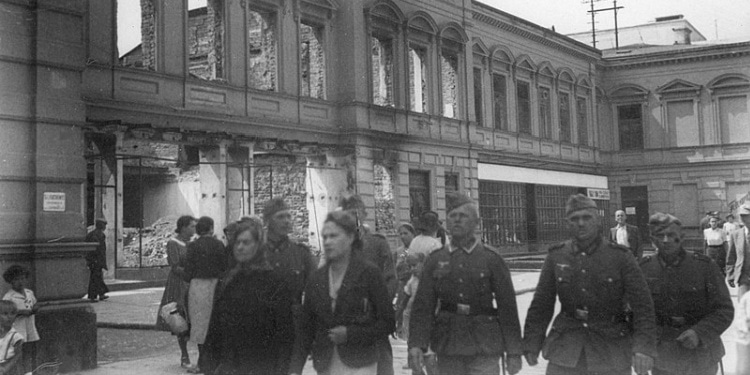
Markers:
<point>54,202</point>
<point>601,194</point>
<point>629,210</point>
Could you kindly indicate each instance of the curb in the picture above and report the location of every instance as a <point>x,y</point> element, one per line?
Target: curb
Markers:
<point>138,326</point>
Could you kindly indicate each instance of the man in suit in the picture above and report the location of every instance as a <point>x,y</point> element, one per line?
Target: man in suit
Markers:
<point>626,235</point>
<point>738,271</point>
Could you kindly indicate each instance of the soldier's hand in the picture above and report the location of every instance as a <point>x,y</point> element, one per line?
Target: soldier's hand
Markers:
<point>514,364</point>
<point>642,363</point>
<point>689,339</point>
<point>416,360</point>
<point>337,335</point>
<point>531,359</point>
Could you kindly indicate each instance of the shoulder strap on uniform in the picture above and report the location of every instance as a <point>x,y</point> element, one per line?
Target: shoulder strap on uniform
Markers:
<point>700,256</point>
<point>557,246</point>
<point>645,259</point>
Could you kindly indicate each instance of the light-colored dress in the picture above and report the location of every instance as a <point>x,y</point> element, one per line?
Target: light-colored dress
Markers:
<point>337,367</point>
<point>176,288</point>
<point>24,324</point>
<point>411,290</point>
<point>8,343</point>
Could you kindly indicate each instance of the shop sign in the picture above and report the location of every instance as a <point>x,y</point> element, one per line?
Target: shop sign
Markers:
<point>54,202</point>
<point>600,194</point>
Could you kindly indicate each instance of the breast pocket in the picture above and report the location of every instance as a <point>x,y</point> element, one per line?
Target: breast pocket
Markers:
<point>563,273</point>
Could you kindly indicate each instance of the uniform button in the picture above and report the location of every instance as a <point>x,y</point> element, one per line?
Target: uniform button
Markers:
<point>609,279</point>
<point>583,290</point>
<point>460,280</point>
<point>460,266</point>
<point>277,264</point>
<point>583,254</point>
<point>585,325</point>
<point>583,271</point>
<point>559,279</point>
<point>461,295</point>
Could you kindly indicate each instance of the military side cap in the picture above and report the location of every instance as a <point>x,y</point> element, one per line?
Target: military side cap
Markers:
<point>455,200</point>
<point>101,221</point>
<point>579,202</point>
<point>660,221</point>
<point>273,206</point>
<point>744,209</point>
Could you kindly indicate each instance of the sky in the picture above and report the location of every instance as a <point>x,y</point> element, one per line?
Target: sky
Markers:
<point>730,18</point>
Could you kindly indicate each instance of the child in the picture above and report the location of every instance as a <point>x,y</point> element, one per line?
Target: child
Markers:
<point>415,262</point>
<point>11,341</point>
<point>25,303</point>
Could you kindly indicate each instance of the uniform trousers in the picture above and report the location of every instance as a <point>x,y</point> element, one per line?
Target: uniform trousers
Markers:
<point>97,287</point>
<point>709,369</point>
<point>581,369</point>
<point>468,365</point>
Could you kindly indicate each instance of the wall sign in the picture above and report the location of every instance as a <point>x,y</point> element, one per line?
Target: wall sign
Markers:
<point>630,210</point>
<point>601,194</point>
<point>54,202</point>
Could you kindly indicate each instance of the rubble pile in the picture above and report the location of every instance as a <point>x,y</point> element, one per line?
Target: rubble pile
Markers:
<point>152,246</point>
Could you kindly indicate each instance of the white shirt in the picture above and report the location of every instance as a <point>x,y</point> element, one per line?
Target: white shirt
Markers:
<point>714,237</point>
<point>25,325</point>
<point>424,244</point>
<point>729,228</point>
<point>622,236</point>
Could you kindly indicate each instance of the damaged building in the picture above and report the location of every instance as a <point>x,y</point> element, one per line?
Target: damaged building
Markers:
<point>142,111</point>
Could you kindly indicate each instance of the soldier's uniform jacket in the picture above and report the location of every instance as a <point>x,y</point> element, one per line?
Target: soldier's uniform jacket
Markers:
<point>292,261</point>
<point>592,285</point>
<point>689,293</point>
<point>473,295</point>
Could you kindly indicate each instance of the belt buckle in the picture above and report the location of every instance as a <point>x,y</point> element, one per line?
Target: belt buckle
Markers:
<point>581,314</point>
<point>462,309</point>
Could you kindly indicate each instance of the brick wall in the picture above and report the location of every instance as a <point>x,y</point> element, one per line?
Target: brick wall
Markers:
<point>262,57</point>
<point>289,182</point>
<point>385,202</point>
<point>148,35</point>
<point>205,41</point>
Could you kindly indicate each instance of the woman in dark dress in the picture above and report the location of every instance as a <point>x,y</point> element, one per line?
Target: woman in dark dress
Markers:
<point>251,325</point>
<point>176,288</point>
<point>346,310</point>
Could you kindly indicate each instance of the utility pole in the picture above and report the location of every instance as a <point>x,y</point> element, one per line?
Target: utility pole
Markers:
<point>593,11</point>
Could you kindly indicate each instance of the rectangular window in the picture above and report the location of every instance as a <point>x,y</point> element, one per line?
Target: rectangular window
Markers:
<point>449,73</point>
<point>523,99</point>
<point>451,182</point>
<point>502,207</point>
<point>582,121</point>
<point>564,117</point>
<point>136,34</point>
<point>419,193</point>
<point>478,107</point>
<point>418,79</point>
<point>382,71</point>
<point>550,212</point>
<point>500,101</point>
<point>262,55</point>
<point>313,61</point>
<point>545,113</point>
<point>683,124</point>
<point>206,39</point>
<point>630,127</point>
<point>734,119</point>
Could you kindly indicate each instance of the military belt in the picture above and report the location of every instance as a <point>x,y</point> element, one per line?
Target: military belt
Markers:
<point>586,316</point>
<point>465,309</point>
<point>674,321</point>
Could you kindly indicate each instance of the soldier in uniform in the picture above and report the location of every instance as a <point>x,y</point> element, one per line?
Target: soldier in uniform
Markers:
<point>292,261</point>
<point>469,286</point>
<point>595,280</point>
<point>692,302</point>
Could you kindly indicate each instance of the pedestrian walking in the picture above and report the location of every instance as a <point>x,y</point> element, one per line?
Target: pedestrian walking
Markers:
<point>729,225</point>
<point>626,235</point>
<point>251,328</point>
<point>738,271</point>
<point>594,279</point>
<point>692,302</point>
<point>427,241</point>
<point>715,244</point>
<point>26,308</point>
<point>176,288</point>
<point>292,261</point>
<point>375,249</point>
<point>205,262</point>
<point>347,310</point>
<point>470,287</point>
<point>406,233</point>
<point>96,261</point>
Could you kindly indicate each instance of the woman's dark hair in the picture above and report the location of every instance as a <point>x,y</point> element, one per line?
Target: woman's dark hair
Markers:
<point>348,223</point>
<point>408,227</point>
<point>204,226</point>
<point>255,228</point>
<point>14,272</point>
<point>183,221</point>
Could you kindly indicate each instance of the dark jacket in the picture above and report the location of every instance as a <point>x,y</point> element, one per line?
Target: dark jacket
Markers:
<point>479,279</point>
<point>293,262</point>
<point>634,239</point>
<point>375,249</point>
<point>251,326</point>
<point>97,259</point>
<point>363,307</point>
<point>206,259</point>
<point>593,285</point>
<point>688,294</point>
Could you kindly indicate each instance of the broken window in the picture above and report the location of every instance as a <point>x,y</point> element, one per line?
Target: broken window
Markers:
<point>545,113</point>
<point>478,105</point>
<point>136,34</point>
<point>382,71</point>
<point>312,57</point>
<point>500,96</point>
<point>582,121</point>
<point>206,39</point>
<point>523,100</point>
<point>418,79</point>
<point>564,117</point>
<point>262,52</point>
<point>449,71</point>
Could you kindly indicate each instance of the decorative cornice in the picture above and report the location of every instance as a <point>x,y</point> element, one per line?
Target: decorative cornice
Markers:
<point>481,17</point>
<point>673,57</point>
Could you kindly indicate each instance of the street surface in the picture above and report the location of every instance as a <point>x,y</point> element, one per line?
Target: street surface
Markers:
<point>134,350</point>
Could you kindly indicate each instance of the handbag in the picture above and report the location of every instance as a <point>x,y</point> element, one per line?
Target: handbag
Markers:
<point>171,315</point>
